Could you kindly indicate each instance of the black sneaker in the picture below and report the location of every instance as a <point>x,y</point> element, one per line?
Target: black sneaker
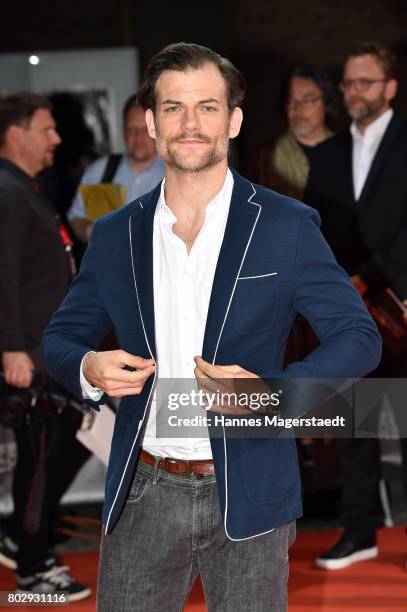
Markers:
<point>346,551</point>
<point>53,580</point>
<point>8,552</point>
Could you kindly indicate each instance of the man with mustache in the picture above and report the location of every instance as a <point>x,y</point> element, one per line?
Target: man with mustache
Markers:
<point>358,183</point>
<point>202,277</point>
<point>308,103</point>
<point>35,272</point>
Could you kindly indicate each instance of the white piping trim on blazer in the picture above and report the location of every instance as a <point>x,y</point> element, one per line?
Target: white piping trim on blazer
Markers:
<point>259,276</point>
<point>213,362</point>
<point>151,390</point>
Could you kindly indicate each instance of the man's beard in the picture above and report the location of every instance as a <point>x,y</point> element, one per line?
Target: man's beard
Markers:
<point>369,108</point>
<point>300,126</point>
<point>215,154</point>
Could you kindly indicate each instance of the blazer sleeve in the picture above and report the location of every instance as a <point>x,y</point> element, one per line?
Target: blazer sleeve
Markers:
<point>350,343</point>
<point>14,225</point>
<point>79,325</point>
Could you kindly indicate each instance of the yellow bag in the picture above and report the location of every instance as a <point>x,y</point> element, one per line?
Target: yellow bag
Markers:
<point>102,198</point>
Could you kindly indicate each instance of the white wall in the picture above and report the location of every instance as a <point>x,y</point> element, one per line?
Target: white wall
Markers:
<point>113,69</point>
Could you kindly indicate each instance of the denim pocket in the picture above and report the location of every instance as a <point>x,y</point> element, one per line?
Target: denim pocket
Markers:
<point>140,485</point>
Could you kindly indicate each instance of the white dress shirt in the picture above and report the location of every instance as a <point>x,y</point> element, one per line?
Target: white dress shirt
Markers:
<point>365,148</point>
<point>182,289</point>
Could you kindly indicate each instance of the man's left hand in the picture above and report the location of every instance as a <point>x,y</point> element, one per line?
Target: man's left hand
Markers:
<point>225,379</point>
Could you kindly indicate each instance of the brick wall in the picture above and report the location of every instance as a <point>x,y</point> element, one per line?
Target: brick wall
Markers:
<point>266,38</point>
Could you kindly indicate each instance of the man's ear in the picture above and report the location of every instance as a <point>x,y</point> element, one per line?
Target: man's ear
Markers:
<point>391,89</point>
<point>235,122</point>
<point>150,123</point>
<point>13,135</point>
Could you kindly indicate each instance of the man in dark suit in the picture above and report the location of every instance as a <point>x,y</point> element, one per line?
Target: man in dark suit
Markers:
<point>202,277</point>
<point>35,273</point>
<point>358,183</point>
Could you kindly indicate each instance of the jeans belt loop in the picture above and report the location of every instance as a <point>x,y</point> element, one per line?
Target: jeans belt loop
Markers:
<point>155,472</point>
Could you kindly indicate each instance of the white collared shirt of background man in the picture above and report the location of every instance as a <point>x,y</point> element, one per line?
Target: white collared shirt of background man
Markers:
<point>365,147</point>
<point>182,290</point>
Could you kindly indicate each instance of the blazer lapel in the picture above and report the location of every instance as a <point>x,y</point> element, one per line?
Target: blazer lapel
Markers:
<point>243,215</point>
<point>381,156</point>
<point>141,244</point>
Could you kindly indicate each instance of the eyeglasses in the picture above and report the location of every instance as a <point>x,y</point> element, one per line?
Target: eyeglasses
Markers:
<point>307,102</point>
<point>360,84</point>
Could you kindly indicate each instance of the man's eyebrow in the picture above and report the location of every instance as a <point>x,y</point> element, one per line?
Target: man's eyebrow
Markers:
<point>205,101</point>
<point>209,100</point>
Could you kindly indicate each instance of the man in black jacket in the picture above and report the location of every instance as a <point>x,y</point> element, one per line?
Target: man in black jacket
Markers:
<point>35,273</point>
<point>358,183</point>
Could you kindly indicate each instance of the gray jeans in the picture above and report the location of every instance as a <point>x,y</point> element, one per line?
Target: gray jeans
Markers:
<point>170,531</point>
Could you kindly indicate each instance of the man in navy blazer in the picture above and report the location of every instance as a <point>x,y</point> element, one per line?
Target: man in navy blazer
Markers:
<point>240,261</point>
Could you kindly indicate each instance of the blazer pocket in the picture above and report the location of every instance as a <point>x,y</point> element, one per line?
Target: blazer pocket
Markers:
<point>269,470</point>
<point>255,303</point>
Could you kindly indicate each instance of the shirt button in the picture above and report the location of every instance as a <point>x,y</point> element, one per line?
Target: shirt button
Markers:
<point>195,450</point>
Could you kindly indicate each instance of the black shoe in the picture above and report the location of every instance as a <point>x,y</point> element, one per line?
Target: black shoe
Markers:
<point>8,552</point>
<point>54,580</point>
<point>346,551</point>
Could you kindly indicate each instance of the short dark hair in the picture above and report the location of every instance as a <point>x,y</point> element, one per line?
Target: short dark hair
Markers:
<point>383,55</point>
<point>18,109</point>
<point>184,57</point>
<point>322,81</point>
<point>132,102</point>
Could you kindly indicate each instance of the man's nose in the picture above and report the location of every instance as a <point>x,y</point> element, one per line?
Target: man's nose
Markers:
<point>191,120</point>
<point>56,139</point>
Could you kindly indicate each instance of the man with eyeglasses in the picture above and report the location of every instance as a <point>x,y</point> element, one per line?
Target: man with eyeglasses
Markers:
<point>358,183</point>
<point>137,171</point>
<point>308,104</point>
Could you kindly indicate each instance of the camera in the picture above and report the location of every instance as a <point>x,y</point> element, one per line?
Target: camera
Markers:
<point>15,403</point>
<point>18,406</point>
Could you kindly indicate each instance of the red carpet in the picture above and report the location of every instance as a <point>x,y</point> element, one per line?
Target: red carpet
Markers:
<point>372,586</point>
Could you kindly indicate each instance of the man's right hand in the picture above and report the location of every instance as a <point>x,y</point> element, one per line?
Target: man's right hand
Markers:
<point>105,370</point>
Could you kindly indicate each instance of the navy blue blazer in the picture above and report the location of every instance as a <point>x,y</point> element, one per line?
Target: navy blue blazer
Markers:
<point>273,264</point>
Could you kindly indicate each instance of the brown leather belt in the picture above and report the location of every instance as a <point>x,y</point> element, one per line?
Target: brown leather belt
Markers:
<point>204,467</point>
